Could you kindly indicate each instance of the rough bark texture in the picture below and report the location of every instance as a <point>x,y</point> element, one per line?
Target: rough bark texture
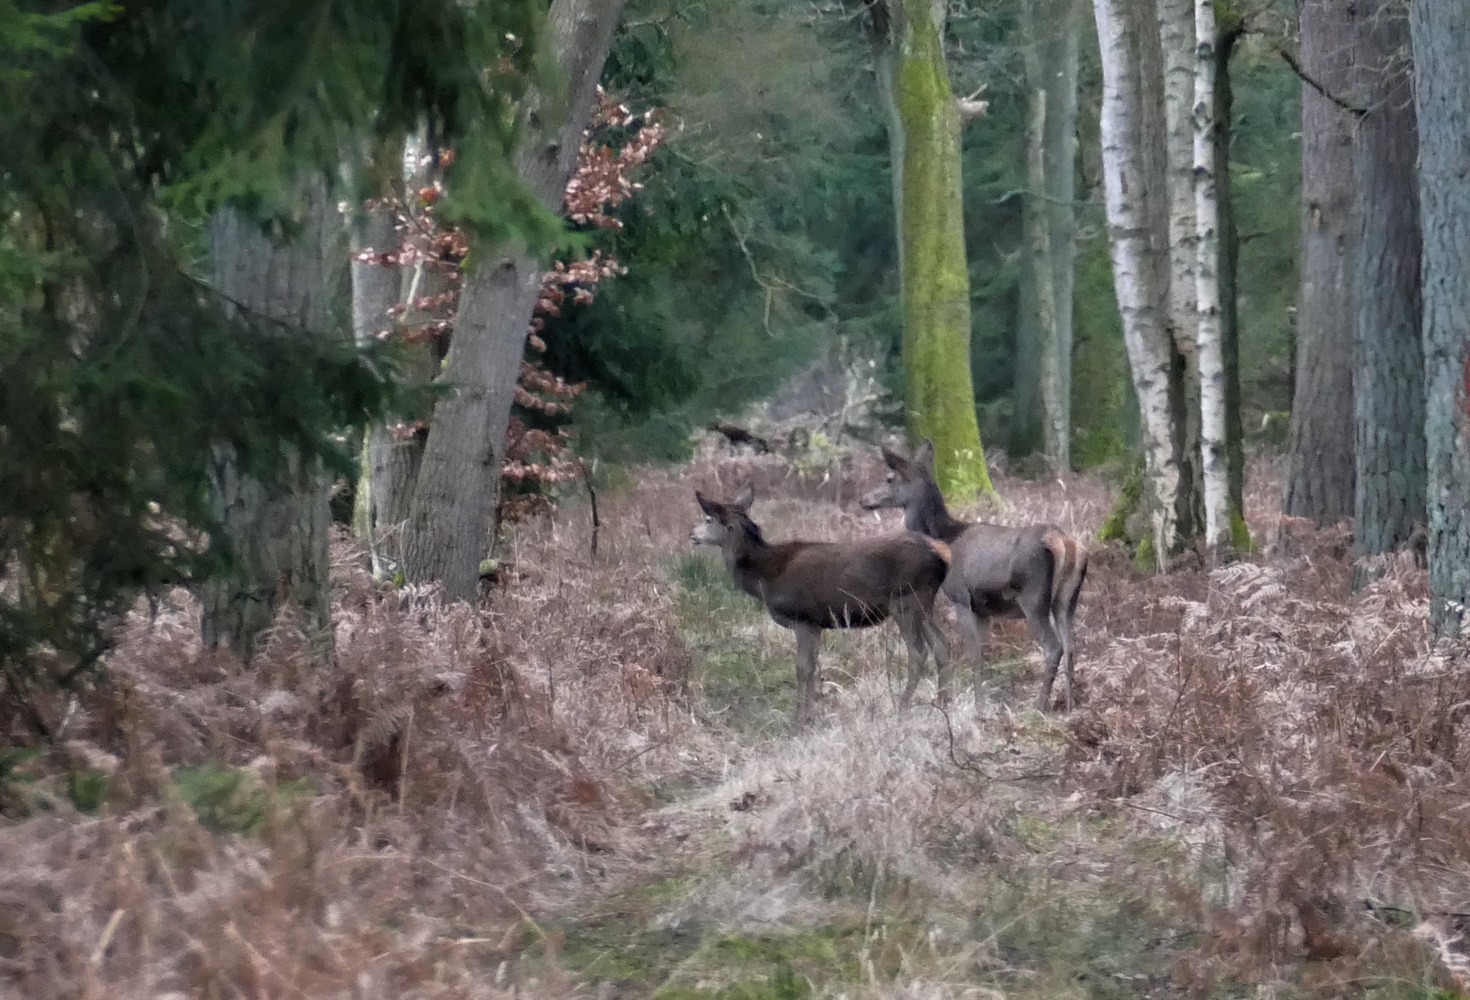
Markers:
<point>1320,464</point>
<point>1207,287</point>
<point>1229,32</point>
<point>280,536</point>
<point>450,525</point>
<point>1132,127</point>
<point>1051,61</point>
<point>1388,376</point>
<point>1441,37</point>
<point>391,462</point>
<point>924,135</point>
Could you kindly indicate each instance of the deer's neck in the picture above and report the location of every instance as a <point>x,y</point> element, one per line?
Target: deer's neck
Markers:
<point>751,562</point>
<point>929,516</point>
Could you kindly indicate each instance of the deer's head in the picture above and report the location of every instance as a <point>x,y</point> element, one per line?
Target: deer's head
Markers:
<point>722,520</point>
<point>906,479</point>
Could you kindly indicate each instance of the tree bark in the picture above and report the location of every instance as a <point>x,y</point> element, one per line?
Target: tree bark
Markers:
<point>1051,61</point>
<point>391,461</point>
<point>1320,463</point>
<point>280,535</point>
<point>1441,37</point>
<point>451,520</point>
<point>1228,33</point>
<point>1132,127</point>
<point>1207,287</point>
<point>924,132</point>
<point>1389,352</point>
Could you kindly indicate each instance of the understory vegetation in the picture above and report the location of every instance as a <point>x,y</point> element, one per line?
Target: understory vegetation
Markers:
<point>590,788</point>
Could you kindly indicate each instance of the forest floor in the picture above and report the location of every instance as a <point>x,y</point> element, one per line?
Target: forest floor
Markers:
<point>590,787</point>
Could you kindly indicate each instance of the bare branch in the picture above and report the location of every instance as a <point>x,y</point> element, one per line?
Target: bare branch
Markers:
<point>1306,78</point>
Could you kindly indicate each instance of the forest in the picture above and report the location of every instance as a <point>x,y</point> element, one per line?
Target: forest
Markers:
<point>735,499</point>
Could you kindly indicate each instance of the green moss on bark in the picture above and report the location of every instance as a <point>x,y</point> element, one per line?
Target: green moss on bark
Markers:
<point>936,281</point>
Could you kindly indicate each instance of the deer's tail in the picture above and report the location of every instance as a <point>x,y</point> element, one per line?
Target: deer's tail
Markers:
<point>1068,568</point>
<point>941,550</point>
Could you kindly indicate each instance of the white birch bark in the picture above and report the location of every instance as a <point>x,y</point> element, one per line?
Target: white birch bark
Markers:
<point>1131,212</point>
<point>1177,41</point>
<point>1207,286</point>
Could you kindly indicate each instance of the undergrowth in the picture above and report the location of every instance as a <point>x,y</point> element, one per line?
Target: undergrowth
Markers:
<point>589,786</point>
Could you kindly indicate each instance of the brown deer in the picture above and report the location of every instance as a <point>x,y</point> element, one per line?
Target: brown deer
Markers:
<point>811,586</point>
<point>995,571</point>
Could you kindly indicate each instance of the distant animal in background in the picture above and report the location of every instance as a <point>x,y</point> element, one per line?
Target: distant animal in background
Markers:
<point>737,436</point>
<point>1035,572</point>
<point>812,586</point>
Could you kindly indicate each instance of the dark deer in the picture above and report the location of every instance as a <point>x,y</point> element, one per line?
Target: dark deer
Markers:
<point>811,586</point>
<point>996,571</point>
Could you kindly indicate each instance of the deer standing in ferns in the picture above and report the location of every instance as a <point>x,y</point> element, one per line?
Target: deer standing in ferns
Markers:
<point>812,586</point>
<point>1034,572</point>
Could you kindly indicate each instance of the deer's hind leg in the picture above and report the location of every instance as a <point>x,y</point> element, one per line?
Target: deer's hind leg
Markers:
<point>975,631</point>
<point>808,642</point>
<point>1037,610</point>
<point>921,634</point>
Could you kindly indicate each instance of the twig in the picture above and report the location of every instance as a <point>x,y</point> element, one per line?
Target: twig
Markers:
<point>1307,78</point>
<point>106,939</point>
<point>592,496</point>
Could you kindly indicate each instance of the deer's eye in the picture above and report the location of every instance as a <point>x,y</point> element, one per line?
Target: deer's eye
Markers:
<point>891,477</point>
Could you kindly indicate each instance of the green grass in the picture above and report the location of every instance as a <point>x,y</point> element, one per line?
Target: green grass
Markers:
<point>231,800</point>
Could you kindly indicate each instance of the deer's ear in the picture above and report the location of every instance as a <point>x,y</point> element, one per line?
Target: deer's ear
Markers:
<point>893,460</point>
<point>706,504</point>
<point>924,457</point>
<point>743,501</point>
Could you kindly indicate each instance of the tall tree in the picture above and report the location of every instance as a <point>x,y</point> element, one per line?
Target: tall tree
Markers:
<point>1388,381</point>
<point>450,524</point>
<point>1215,464</point>
<point>1441,36</point>
<point>924,121</point>
<point>1320,464</point>
<point>1229,27</point>
<point>1050,45</point>
<point>279,531</point>
<point>1132,126</point>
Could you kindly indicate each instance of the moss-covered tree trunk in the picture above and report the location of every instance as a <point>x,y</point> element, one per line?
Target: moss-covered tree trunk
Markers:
<point>924,123</point>
<point>280,536</point>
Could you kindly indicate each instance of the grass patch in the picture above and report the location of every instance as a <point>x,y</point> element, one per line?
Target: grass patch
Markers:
<point>232,800</point>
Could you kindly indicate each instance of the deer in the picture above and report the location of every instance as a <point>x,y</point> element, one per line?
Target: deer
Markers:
<point>996,571</point>
<point>810,587</point>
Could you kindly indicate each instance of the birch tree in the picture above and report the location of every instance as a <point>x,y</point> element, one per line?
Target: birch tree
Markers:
<point>1050,47</point>
<point>924,121</point>
<point>1388,376</point>
<point>450,524</point>
<point>1134,179</point>
<point>1319,475</point>
<point>1215,468</point>
<point>1441,36</point>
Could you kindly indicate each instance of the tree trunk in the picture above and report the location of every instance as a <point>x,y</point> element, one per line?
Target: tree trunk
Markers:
<point>1319,478</point>
<point>280,535</point>
<point>1211,351</point>
<point>924,128</point>
<point>1137,209</point>
<point>1389,360</point>
<point>1229,32</point>
<point>391,460</point>
<point>451,522</point>
<point>1051,61</point>
<point>1441,37</point>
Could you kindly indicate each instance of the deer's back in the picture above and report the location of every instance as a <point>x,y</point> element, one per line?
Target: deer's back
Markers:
<point>852,584</point>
